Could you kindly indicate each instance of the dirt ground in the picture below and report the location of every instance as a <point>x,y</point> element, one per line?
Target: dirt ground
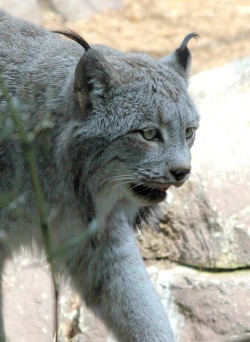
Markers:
<point>158,26</point>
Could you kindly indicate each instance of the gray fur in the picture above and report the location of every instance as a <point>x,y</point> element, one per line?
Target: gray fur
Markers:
<point>99,103</point>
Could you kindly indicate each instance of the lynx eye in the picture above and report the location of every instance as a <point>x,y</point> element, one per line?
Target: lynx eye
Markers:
<point>189,133</point>
<point>151,134</point>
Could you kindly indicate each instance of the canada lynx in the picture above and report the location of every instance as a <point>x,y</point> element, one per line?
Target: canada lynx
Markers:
<point>123,125</point>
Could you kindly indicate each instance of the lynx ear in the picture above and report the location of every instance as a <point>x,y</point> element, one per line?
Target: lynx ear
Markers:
<point>94,76</point>
<point>180,60</point>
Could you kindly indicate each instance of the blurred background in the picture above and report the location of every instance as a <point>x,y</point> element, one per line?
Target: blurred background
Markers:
<point>199,260</point>
<point>153,26</point>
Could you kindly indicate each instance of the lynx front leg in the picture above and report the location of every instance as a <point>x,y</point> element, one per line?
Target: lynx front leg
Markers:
<point>112,279</point>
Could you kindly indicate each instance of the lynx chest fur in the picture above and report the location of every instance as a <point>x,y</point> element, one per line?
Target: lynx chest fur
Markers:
<point>121,129</point>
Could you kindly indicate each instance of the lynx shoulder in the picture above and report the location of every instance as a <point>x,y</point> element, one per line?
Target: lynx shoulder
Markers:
<point>121,129</point>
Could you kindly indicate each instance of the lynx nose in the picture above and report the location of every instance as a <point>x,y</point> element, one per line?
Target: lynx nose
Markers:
<point>179,174</point>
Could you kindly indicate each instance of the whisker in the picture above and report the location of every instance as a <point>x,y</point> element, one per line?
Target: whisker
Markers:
<point>119,176</point>
<point>137,185</point>
<point>118,179</point>
<point>123,169</point>
<point>122,183</point>
<point>151,190</point>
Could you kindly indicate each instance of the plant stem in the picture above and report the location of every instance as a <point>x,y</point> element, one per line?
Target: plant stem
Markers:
<point>26,139</point>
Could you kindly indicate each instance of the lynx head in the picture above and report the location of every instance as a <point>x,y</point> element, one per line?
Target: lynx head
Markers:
<point>136,123</point>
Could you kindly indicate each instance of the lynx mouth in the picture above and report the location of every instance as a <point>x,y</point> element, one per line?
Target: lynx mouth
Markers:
<point>150,194</point>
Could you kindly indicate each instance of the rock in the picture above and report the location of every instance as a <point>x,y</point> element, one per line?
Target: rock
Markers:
<point>29,308</point>
<point>25,9</point>
<point>28,298</point>
<point>204,306</point>
<point>208,223</point>
<point>81,9</point>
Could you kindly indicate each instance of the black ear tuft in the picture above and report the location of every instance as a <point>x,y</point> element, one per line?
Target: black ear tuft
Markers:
<point>186,40</point>
<point>180,60</point>
<point>183,54</point>
<point>76,37</point>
